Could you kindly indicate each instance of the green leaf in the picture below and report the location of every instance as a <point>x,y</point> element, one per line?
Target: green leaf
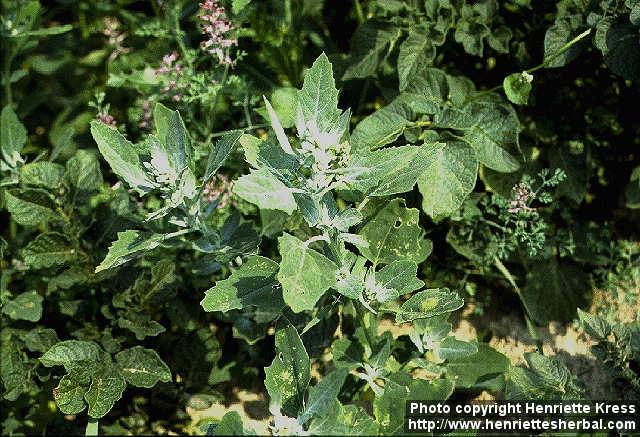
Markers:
<point>318,99</point>
<point>546,379</point>
<point>343,420</point>
<point>322,395</point>
<point>107,386</point>
<point>389,408</point>
<point>597,327</point>
<point>124,157</point>
<point>393,233</point>
<point>382,127</point>
<point>142,367</point>
<point>261,188</point>
<point>491,129</point>
<point>474,369</point>
<point>48,250</point>
<point>71,354</point>
<point>253,284</point>
<point>15,370</point>
<point>370,45</point>
<point>400,276</point>
<point>230,424</point>
<point>288,376</point>
<point>416,53</point>
<point>449,176</point>
<point>517,87</point>
<point>42,174</point>
<point>563,31</point>
<point>305,274</point>
<point>83,172</point>
<point>130,245</point>
<point>13,136</point>
<point>453,349</point>
<point>25,306</point>
<point>173,135</point>
<point>554,291</point>
<point>577,170</point>
<point>220,152</point>
<point>30,207</point>
<point>141,325</point>
<point>69,394</point>
<point>429,303</point>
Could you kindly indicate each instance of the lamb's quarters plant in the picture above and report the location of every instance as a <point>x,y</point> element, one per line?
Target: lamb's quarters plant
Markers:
<point>291,216</point>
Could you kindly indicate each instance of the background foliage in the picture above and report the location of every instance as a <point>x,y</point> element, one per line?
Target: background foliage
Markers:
<point>306,200</point>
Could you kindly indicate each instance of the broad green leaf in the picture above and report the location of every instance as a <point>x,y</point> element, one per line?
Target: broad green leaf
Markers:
<point>220,152</point>
<point>453,349</point>
<point>622,48</point>
<point>13,136</point>
<point>393,233</point>
<point>546,379</point>
<point>15,370</point>
<point>389,408</point>
<point>40,339</point>
<point>25,306</point>
<point>563,31</point>
<point>322,395</point>
<point>288,376</point>
<point>141,325</point>
<point>388,171</point>
<point>400,276</point>
<point>370,45</point>
<point>123,156</point>
<point>230,424</point>
<point>48,250</point>
<point>436,390</point>
<point>130,245</point>
<point>42,174</point>
<point>343,420</point>
<point>382,127</point>
<point>449,176</point>
<point>347,354</point>
<point>482,366</point>
<point>429,303</point>
<point>517,87</point>
<point>284,104</point>
<point>597,327</point>
<point>30,207</point>
<point>253,284</point>
<point>305,274</point>
<point>318,99</point>
<point>71,354</point>
<point>173,135</point>
<point>491,129</point>
<point>69,394</point>
<point>554,291</point>
<point>416,53</point>
<point>83,172</point>
<point>107,386</point>
<point>142,367</point>
<point>262,189</point>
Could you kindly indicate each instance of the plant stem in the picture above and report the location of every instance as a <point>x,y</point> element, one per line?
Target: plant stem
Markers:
<point>359,14</point>
<point>531,327</point>
<point>92,427</point>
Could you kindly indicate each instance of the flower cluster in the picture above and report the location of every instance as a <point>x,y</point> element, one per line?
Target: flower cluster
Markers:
<point>522,195</point>
<point>115,36</point>
<point>106,118</point>
<point>173,70</point>
<point>146,120</point>
<point>218,30</point>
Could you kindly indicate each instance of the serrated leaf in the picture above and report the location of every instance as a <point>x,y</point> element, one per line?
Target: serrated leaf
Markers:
<point>343,420</point>
<point>173,135</point>
<point>382,127</point>
<point>130,245</point>
<point>123,156</point>
<point>107,386</point>
<point>517,87</point>
<point>416,53</point>
<point>25,306</point>
<point>48,250</point>
<point>564,29</point>
<point>83,172</point>
<point>370,45</point>
<point>400,276</point>
<point>142,367</point>
<point>261,188</point>
<point>305,274</point>
<point>15,370</point>
<point>288,376</point>
<point>595,326</point>
<point>322,395</point>
<point>449,176</point>
<point>30,207</point>
<point>220,152</point>
<point>253,284</point>
<point>141,325</point>
<point>42,174</point>
<point>13,136</point>
<point>429,303</point>
<point>318,98</point>
<point>393,233</point>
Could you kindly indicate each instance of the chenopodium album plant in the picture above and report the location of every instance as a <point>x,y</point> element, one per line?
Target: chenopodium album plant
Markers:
<point>362,247</point>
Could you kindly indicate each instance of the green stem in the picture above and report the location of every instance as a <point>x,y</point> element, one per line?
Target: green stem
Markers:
<point>531,327</point>
<point>359,14</point>
<point>92,427</point>
<point>6,77</point>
